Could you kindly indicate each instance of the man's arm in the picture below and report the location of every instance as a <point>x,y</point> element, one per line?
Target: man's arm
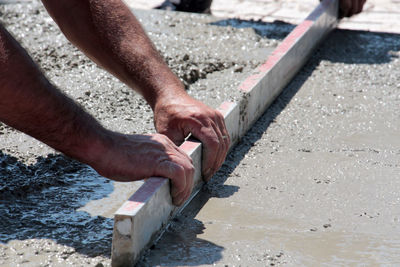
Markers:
<point>30,103</point>
<point>108,33</point>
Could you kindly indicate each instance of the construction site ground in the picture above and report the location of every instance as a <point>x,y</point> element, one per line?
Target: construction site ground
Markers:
<point>315,181</point>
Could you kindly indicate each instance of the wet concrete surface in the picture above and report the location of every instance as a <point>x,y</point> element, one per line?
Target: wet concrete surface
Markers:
<point>56,211</point>
<point>316,180</point>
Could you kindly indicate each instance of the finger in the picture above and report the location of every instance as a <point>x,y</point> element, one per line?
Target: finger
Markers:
<point>344,7</point>
<point>212,152</point>
<point>183,154</point>
<point>176,136</point>
<point>225,134</point>
<point>189,175</point>
<point>189,183</point>
<point>225,141</point>
<point>219,119</point>
<point>184,195</point>
<point>220,151</point>
<point>169,144</point>
<point>354,8</point>
<point>225,138</point>
<point>179,199</point>
<point>360,6</point>
<point>185,198</point>
<point>177,176</point>
<point>206,134</point>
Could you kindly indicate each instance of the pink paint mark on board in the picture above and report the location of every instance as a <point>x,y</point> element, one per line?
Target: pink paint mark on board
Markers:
<point>189,146</point>
<point>225,107</point>
<point>139,198</point>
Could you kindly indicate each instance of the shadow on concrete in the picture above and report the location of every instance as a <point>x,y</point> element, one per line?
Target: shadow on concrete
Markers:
<point>346,46</point>
<point>41,201</point>
<point>180,245</point>
<point>360,47</point>
<point>276,30</point>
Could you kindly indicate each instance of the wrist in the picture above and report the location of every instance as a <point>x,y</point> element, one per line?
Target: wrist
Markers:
<point>95,148</point>
<point>168,95</point>
<point>86,142</point>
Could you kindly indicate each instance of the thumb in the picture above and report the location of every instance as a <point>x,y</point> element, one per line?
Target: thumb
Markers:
<point>176,135</point>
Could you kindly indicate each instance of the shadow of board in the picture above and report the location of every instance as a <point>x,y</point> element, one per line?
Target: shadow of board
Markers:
<point>179,245</point>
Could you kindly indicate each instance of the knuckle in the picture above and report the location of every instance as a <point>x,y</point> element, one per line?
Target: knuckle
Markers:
<point>214,141</point>
<point>205,118</point>
<point>180,170</point>
<point>163,131</point>
<point>191,171</point>
<point>159,137</point>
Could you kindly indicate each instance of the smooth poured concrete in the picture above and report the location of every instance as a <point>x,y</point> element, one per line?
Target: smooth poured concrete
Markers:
<point>316,180</point>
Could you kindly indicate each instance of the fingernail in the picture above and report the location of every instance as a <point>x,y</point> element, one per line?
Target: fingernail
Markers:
<point>178,203</point>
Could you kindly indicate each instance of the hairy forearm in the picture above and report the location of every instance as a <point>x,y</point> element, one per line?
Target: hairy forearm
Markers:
<point>30,103</point>
<point>108,33</point>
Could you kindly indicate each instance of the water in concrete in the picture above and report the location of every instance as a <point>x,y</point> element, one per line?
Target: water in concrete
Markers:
<point>56,211</point>
<point>316,180</point>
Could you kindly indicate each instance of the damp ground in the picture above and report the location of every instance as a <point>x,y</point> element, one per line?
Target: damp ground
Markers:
<point>316,180</point>
<point>56,211</point>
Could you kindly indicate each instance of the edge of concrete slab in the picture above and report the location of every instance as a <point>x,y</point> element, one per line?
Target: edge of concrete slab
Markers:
<point>141,219</point>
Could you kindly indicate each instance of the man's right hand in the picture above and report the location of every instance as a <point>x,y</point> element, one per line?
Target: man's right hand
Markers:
<point>133,157</point>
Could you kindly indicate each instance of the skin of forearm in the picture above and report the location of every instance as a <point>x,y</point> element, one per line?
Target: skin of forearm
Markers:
<point>31,104</point>
<point>108,33</point>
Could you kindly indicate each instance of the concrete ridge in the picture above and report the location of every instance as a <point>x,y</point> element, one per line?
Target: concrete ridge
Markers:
<point>141,219</point>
